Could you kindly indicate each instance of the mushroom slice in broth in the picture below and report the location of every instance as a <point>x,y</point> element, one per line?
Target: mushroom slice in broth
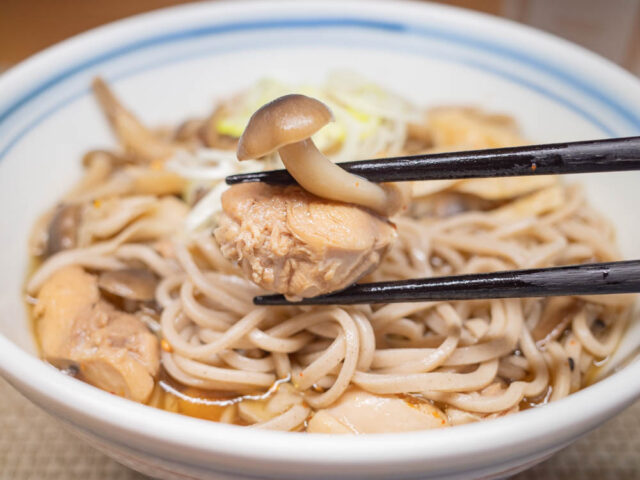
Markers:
<point>136,284</point>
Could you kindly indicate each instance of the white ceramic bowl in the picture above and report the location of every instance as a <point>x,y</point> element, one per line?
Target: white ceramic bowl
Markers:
<point>175,62</point>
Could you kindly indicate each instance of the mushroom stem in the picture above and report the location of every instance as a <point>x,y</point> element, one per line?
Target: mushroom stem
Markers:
<point>318,175</point>
<point>286,125</point>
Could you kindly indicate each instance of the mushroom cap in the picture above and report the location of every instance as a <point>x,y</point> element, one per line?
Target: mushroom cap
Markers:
<point>132,283</point>
<point>63,229</point>
<point>288,119</point>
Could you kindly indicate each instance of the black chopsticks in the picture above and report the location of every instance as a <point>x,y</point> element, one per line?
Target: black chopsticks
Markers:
<point>611,155</point>
<point>587,279</point>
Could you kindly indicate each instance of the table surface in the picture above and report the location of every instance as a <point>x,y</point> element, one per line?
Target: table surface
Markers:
<point>34,446</point>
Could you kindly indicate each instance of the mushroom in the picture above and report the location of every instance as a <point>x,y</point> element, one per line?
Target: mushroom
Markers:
<point>190,132</point>
<point>111,159</point>
<point>138,140</point>
<point>210,135</point>
<point>63,229</point>
<point>286,125</point>
<point>132,283</point>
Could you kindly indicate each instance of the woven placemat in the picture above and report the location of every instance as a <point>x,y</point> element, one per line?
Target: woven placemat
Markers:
<point>34,447</point>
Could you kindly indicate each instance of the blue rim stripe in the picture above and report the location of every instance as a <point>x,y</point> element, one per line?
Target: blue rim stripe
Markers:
<point>195,33</point>
<point>329,22</point>
<point>538,63</point>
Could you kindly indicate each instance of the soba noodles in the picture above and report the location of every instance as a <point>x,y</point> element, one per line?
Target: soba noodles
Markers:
<point>133,293</point>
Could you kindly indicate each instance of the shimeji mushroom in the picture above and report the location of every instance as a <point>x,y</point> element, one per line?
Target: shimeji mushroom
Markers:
<point>286,125</point>
<point>137,284</point>
<point>63,229</point>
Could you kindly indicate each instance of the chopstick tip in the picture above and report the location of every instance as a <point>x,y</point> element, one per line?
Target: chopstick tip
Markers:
<point>232,179</point>
<point>270,300</point>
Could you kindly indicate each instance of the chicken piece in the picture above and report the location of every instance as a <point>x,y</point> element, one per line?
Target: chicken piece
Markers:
<point>68,292</point>
<point>111,349</point>
<point>462,128</point>
<point>533,204</point>
<point>358,411</point>
<point>504,188</point>
<point>115,351</point>
<point>292,242</point>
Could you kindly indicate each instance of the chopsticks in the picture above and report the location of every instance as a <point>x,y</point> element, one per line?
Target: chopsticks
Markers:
<point>587,279</point>
<point>611,155</point>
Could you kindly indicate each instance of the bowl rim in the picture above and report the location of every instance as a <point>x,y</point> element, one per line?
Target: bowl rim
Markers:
<point>153,430</point>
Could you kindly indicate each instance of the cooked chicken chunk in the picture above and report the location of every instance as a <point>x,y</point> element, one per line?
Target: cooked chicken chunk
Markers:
<point>111,349</point>
<point>67,293</point>
<point>361,412</point>
<point>292,242</point>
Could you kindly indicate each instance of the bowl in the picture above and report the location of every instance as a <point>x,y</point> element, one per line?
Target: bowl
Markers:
<point>176,62</point>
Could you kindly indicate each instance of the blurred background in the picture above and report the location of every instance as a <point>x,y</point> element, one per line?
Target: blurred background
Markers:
<point>608,27</point>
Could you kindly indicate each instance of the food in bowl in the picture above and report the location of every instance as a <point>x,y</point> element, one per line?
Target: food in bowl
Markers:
<point>146,269</point>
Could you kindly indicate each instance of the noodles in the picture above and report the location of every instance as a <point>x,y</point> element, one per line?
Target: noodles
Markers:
<point>279,367</point>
